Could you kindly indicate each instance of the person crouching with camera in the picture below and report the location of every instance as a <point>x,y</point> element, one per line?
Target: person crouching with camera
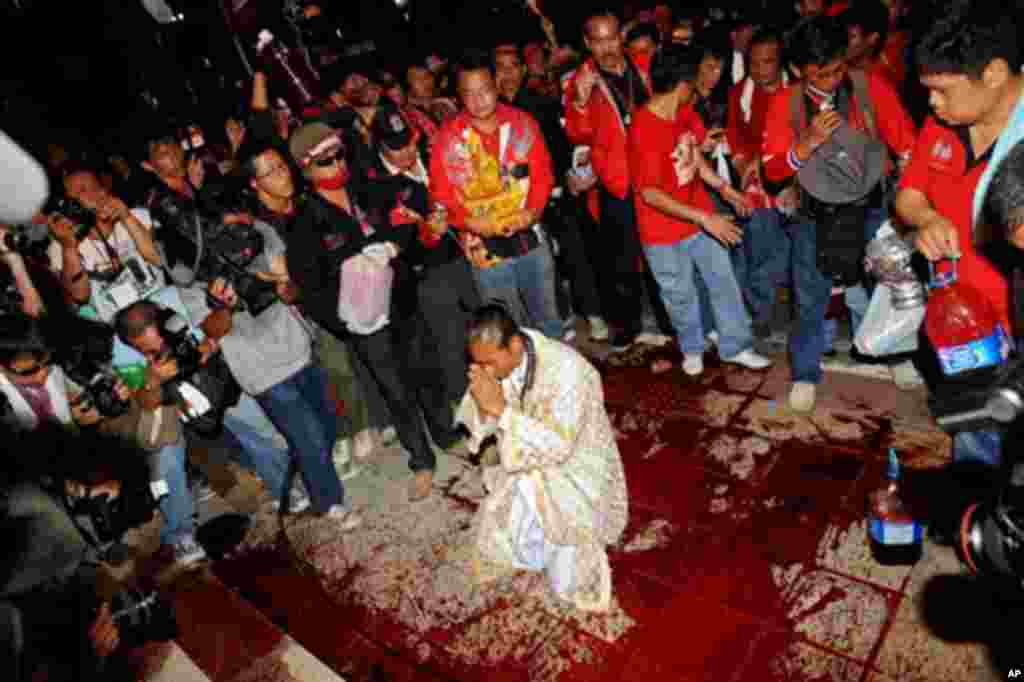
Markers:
<point>54,623</point>
<point>37,392</point>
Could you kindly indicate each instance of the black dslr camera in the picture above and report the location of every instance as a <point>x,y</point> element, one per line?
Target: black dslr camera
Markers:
<point>70,208</point>
<point>193,237</point>
<point>204,391</point>
<point>85,352</point>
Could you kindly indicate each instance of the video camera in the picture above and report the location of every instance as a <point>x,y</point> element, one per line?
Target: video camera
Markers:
<point>212,249</point>
<point>204,391</point>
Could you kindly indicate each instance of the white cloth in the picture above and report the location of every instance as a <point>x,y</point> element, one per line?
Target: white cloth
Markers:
<point>557,498</point>
<point>739,70</point>
<point>58,386</point>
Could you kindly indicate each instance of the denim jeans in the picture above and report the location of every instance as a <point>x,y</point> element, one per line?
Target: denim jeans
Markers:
<point>760,263</point>
<point>526,284</point>
<point>813,291</point>
<point>168,465</point>
<point>258,453</point>
<point>301,411</point>
<point>980,447</point>
<point>674,267</point>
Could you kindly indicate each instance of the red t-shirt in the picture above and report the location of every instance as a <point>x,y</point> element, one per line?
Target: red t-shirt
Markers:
<point>942,168</point>
<point>652,141</point>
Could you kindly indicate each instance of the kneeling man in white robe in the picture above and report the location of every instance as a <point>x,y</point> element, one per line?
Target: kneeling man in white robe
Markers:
<point>557,497</point>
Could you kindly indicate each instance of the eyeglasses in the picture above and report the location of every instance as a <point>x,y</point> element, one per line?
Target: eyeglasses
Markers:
<point>278,168</point>
<point>42,361</point>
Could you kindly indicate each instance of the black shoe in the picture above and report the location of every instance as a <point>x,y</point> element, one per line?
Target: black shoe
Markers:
<point>622,342</point>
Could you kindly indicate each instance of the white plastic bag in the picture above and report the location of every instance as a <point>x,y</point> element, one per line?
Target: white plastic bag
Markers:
<point>885,330</point>
<point>364,297</point>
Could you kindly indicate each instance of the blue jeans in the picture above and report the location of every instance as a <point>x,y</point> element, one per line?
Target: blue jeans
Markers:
<point>168,465</point>
<point>245,427</point>
<point>300,409</point>
<point>760,264</point>
<point>981,447</point>
<point>526,285</point>
<point>813,292</point>
<point>674,267</point>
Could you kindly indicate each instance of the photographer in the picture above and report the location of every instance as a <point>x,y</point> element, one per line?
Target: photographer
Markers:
<point>270,354</point>
<point>24,297</point>
<point>52,621</point>
<point>90,260</point>
<point>38,392</point>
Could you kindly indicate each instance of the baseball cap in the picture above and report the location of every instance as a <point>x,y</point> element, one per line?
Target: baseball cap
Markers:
<point>307,138</point>
<point>390,130</point>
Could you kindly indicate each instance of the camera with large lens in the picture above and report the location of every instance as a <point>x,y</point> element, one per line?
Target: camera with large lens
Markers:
<point>70,208</point>
<point>85,355</point>
<point>203,391</point>
<point>198,239</point>
<point>28,240</point>
<point>992,534</point>
<point>141,616</point>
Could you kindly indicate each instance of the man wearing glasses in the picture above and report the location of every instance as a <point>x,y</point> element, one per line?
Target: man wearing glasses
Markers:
<point>329,229</point>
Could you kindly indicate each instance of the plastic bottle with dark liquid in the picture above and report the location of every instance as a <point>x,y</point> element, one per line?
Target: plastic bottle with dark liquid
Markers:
<point>964,329</point>
<point>896,539</point>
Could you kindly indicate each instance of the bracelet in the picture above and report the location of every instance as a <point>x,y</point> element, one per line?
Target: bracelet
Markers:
<point>793,160</point>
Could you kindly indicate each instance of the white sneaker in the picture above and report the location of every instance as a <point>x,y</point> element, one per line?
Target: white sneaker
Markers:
<point>801,397</point>
<point>712,340</point>
<point>188,552</point>
<point>905,376</point>
<point>749,359</point>
<point>347,518</point>
<point>569,334</point>
<point>298,501</point>
<point>652,339</point>
<point>693,364</point>
<point>388,436</point>
<point>598,328</point>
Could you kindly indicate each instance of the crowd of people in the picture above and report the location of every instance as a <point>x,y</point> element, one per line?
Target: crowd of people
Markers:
<point>665,183</point>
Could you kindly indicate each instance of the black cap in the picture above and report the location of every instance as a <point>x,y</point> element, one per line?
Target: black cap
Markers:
<point>390,130</point>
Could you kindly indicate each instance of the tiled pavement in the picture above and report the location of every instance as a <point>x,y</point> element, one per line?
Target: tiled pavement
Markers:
<point>745,560</point>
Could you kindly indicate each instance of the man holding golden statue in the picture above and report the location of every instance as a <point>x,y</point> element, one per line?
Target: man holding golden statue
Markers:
<point>491,171</point>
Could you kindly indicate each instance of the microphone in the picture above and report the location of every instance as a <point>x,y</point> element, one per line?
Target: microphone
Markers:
<point>24,186</point>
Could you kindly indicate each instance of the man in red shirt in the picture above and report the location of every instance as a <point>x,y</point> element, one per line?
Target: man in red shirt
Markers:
<point>491,171</point>
<point>601,97</point>
<point>679,228</point>
<point>761,260</point>
<point>826,95</point>
<point>867,32</point>
<point>970,61</point>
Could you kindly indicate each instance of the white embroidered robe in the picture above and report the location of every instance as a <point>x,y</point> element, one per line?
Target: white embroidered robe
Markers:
<point>558,497</point>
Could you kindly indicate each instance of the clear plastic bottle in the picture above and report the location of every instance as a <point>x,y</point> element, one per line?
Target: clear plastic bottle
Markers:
<point>896,538</point>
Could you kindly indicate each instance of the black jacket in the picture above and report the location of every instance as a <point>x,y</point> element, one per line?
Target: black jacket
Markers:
<point>322,237</point>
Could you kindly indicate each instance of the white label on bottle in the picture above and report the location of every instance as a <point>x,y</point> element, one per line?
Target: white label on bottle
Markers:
<point>897,533</point>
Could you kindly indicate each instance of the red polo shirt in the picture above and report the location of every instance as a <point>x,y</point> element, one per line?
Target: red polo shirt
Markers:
<point>652,140</point>
<point>944,169</point>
